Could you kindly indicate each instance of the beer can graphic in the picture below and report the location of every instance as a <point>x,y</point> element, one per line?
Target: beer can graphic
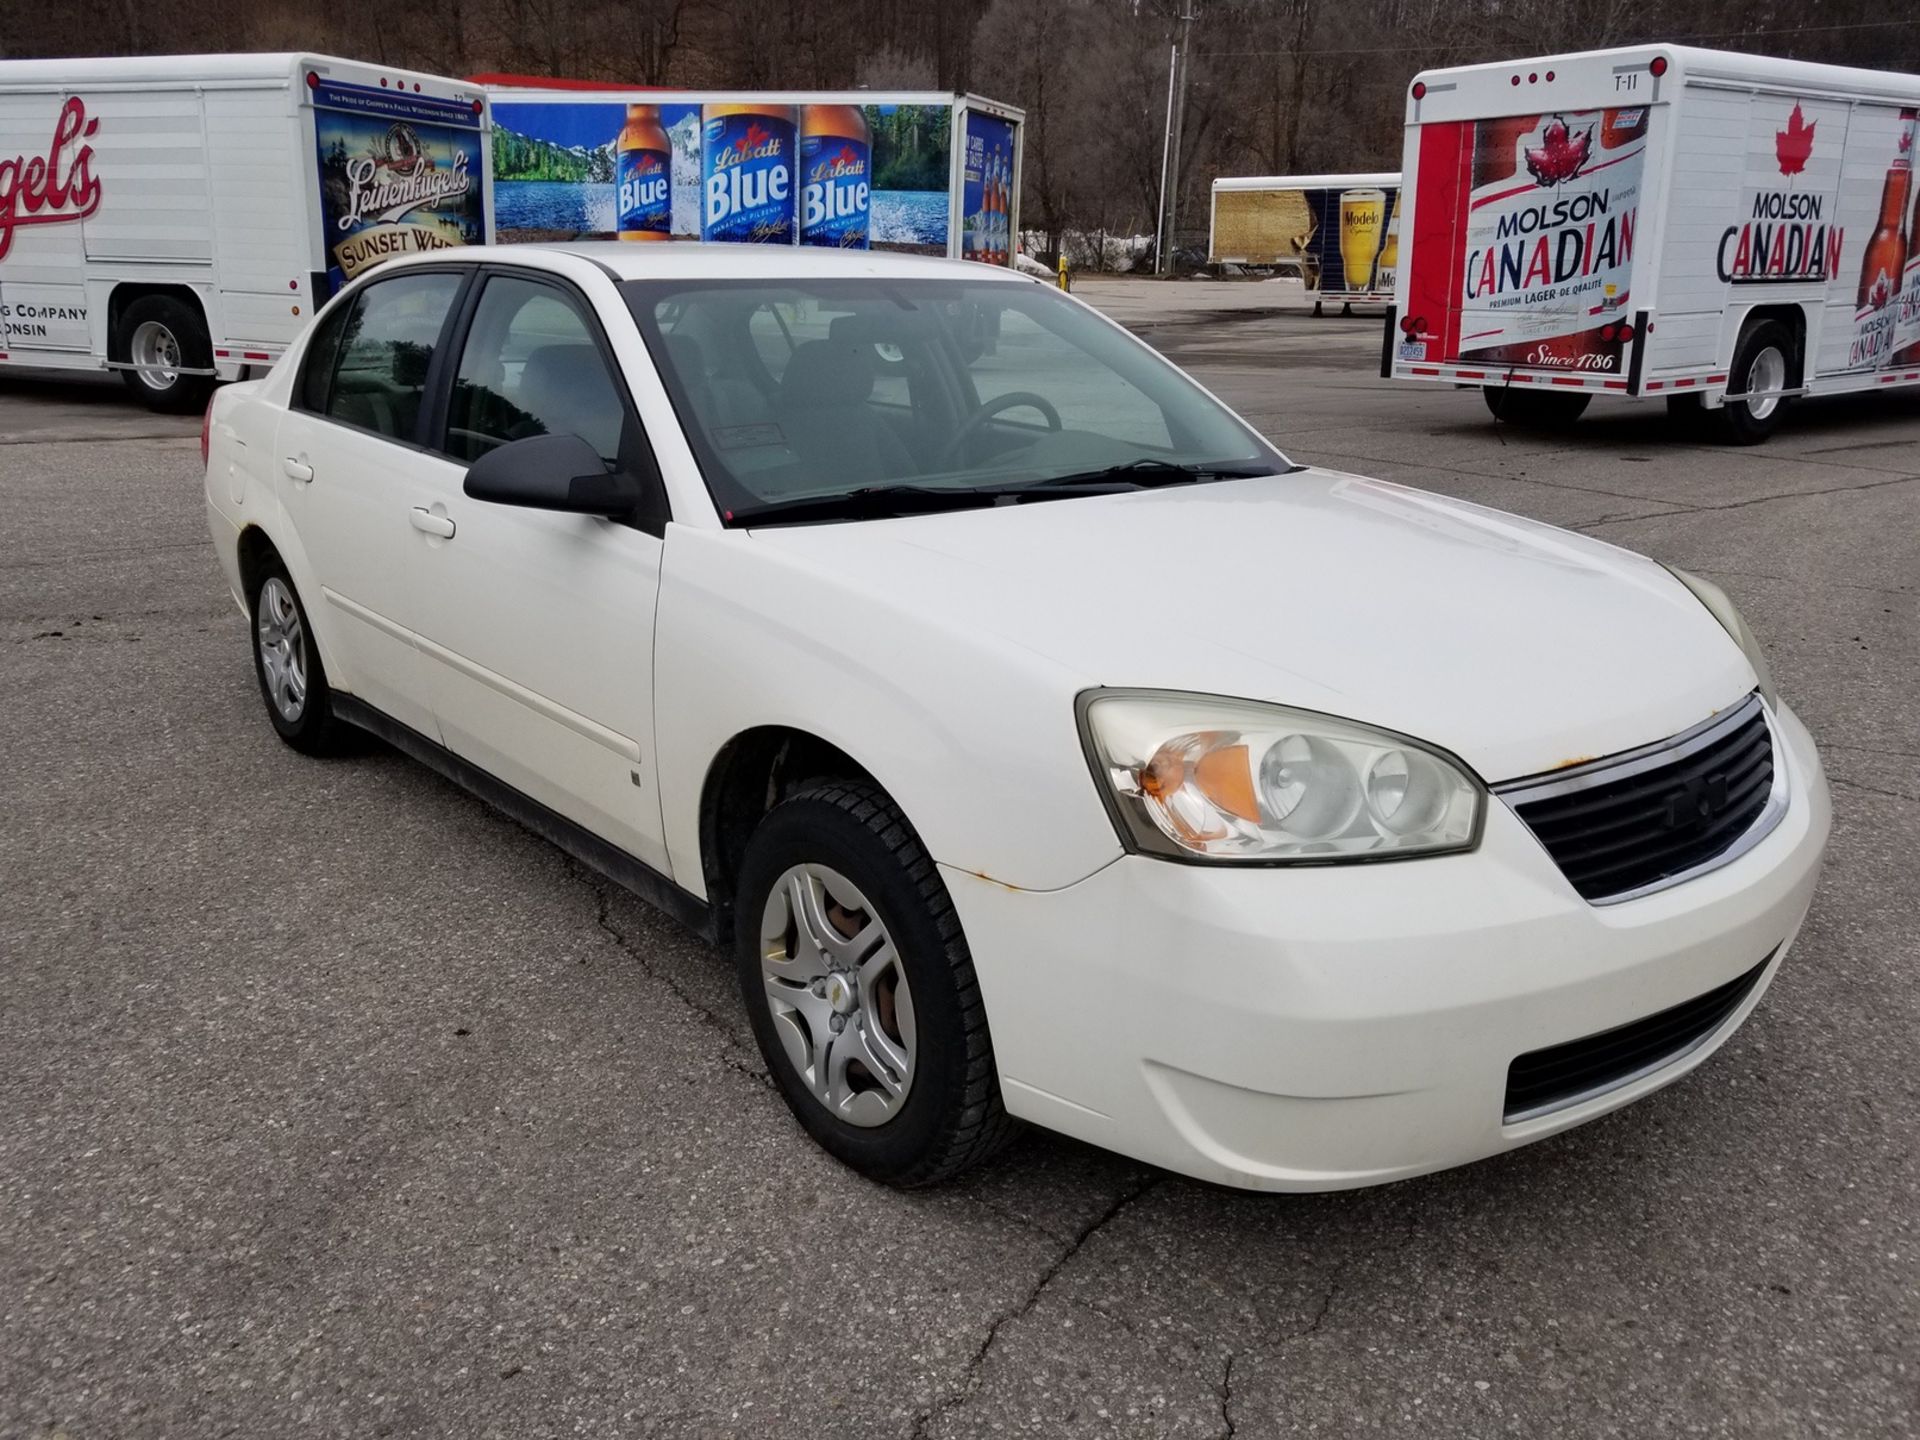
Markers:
<point>746,173</point>
<point>643,176</point>
<point>1362,217</point>
<point>836,176</point>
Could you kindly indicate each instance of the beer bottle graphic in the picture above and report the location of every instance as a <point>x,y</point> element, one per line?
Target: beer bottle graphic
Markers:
<point>836,177</point>
<point>747,189</point>
<point>643,175</point>
<point>1882,265</point>
<point>1907,325</point>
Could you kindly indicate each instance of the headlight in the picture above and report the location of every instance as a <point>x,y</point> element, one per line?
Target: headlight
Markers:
<point>1200,777</point>
<point>1723,610</point>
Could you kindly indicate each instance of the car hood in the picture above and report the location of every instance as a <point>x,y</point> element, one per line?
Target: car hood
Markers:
<point>1517,646</point>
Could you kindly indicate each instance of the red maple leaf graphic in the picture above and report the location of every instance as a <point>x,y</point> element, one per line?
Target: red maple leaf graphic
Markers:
<point>847,157</point>
<point>756,135</point>
<point>1881,295</point>
<point>1795,143</point>
<point>1560,154</point>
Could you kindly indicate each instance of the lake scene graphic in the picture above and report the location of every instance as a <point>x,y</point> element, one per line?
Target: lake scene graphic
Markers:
<point>900,217</point>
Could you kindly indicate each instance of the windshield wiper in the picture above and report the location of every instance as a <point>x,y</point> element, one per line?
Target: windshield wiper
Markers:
<point>1147,473</point>
<point>873,502</point>
<point>869,502</point>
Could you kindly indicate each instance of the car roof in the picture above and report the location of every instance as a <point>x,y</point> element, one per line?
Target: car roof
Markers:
<point>690,260</point>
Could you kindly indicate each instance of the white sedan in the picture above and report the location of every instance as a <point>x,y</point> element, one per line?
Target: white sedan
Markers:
<point>1041,742</point>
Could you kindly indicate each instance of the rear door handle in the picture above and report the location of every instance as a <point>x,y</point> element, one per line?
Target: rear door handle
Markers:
<point>429,523</point>
<point>296,469</point>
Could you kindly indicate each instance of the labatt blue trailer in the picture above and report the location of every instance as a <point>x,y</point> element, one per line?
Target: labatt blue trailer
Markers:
<point>836,176</point>
<point>746,173</point>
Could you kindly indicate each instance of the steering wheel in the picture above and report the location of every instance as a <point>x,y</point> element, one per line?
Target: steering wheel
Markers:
<point>1012,400</point>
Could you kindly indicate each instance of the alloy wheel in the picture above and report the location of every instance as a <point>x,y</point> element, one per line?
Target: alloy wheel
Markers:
<point>283,648</point>
<point>1766,377</point>
<point>838,994</point>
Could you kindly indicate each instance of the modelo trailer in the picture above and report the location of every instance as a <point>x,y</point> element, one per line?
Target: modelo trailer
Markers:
<point>1341,232</point>
<point>926,172</point>
<point>1726,232</point>
<point>178,218</point>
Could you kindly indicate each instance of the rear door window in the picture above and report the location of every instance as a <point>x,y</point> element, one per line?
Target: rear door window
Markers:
<point>385,350</point>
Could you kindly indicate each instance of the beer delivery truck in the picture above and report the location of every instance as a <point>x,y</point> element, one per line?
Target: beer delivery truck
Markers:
<point>1725,232</point>
<point>178,218</point>
<point>1343,231</point>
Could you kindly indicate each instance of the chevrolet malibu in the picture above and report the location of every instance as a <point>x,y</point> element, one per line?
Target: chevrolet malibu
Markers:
<point>1041,742</point>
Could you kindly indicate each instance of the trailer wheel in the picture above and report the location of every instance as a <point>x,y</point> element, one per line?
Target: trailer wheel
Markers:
<point>1762,361</point>
<point>166,338</point>
<point>1535,409</point>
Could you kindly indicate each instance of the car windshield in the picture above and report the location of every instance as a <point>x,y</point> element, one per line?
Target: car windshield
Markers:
<point>849,398</point>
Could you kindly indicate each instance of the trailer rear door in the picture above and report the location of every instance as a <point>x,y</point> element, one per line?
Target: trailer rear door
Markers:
<point>1523,244</point>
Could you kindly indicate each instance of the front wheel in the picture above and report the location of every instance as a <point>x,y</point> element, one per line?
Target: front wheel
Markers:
<point>861,990</point>
<point>1535,409</point>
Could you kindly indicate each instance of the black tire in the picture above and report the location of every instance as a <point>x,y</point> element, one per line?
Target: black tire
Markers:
<point>1735,423</point>
<point>312,730</point>
<point>186,328</point>
<point>950,1117</point>
<point>1528,409</point>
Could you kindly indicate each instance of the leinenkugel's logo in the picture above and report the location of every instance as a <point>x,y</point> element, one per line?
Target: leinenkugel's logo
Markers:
<point>399,178</point>
<point>50,189</point>
<point>1560,155</point>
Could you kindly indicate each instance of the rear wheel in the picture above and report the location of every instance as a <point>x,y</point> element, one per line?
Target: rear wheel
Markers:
<point>1762,363</point>
<point>164,338</point>
<point>861,990</point>
<point>293,682</point>
<point>1535,409</point>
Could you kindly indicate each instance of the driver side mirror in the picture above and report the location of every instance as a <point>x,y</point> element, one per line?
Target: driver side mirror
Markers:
<point>554,472</point>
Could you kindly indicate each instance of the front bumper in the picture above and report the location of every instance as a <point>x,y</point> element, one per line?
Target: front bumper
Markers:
<point>1315,1029</point>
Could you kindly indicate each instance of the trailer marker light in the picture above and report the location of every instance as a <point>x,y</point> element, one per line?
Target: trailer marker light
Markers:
<point>1549,77</point>
<point>1658,66</point>
<point>1625,333</point>
<point>1515,80</point>
<point>1419,89</point>
<point>313,80</point>
<point>1534,78</point>
<point>476,107</point>
<point>1607,332</point>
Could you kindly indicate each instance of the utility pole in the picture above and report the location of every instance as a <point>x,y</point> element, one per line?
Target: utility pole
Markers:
<point>1170,146</point>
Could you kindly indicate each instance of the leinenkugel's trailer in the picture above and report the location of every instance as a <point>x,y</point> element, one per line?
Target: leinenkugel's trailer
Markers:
<point>1343,231</point>
<point>1725,232</point>
<point>936,173</point>
<point>178,218</point>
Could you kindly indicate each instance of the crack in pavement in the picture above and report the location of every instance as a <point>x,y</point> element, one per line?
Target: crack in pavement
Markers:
<point>1743,504</point>
<point>1226,1399</point>
<point>732,1052</point>
<point>1793,580</point>
<point>1872,789</point>
<point>970,1385</point>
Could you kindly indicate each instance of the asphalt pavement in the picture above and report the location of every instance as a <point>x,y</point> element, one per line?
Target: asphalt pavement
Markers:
<point>335,1104</point>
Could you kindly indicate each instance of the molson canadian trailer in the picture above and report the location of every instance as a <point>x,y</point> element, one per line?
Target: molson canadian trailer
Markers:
<point>1343,231</point>
<point>1725,232</point>
<point>937,173</point>
<point>178,218</point>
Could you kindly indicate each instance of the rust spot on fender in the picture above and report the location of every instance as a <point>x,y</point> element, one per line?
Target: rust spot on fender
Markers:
<point>982,875</point>
<point>1576,760</point>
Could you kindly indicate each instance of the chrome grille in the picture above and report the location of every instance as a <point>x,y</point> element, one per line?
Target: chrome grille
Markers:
<point>1631,824</point>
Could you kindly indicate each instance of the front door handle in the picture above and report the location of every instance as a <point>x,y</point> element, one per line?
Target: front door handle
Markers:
<point>431,524</point>
<point>297,469</point>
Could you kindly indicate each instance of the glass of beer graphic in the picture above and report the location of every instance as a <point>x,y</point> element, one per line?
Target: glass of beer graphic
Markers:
<point>1362,215</point>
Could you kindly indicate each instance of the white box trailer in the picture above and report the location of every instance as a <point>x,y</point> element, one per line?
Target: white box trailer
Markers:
<point>1723,231</point>
<point>1340,232</point>
<point>178,218</point>
<point>930,172</point>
